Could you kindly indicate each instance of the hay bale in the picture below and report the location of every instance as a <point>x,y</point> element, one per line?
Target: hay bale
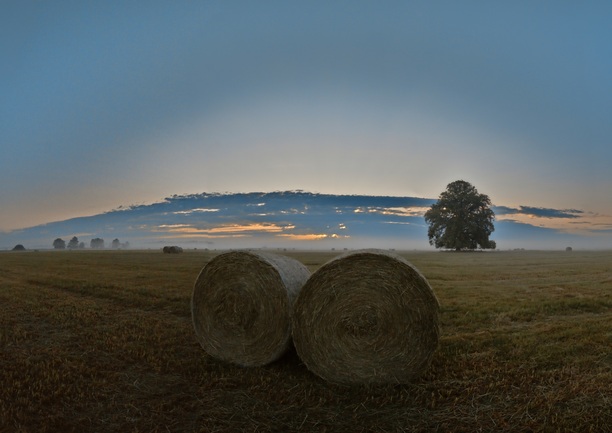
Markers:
<point>242,305</point>
<point>172,249</point>
<point>366,317</point>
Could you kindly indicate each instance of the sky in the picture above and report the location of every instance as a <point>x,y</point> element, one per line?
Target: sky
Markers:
<point>108,104</point>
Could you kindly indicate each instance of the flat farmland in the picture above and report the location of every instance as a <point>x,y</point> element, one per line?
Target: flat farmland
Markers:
<point>102,341</point>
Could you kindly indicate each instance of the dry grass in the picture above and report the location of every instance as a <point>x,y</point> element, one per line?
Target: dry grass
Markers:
<point>102,341</point>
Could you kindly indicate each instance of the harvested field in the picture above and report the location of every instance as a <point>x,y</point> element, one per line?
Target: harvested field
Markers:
<point>102,341</point>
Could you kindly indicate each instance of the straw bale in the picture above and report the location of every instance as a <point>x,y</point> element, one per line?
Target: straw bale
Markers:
<point>366,317</point>
<point>242,305</point>
<point>172,249</point>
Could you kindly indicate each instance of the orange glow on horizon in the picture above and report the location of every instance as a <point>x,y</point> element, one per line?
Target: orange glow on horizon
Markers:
<point>305,237</point>
<point>311,236</point>
<point>225,230</point>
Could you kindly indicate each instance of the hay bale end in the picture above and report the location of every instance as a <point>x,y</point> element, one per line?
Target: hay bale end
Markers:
<point>366,317</point>
<point>242,306</point>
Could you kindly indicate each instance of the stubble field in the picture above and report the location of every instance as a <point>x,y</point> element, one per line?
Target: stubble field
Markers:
<point>103,342</point>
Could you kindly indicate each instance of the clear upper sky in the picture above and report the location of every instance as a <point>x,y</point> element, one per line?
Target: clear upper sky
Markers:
<point>122,102</point>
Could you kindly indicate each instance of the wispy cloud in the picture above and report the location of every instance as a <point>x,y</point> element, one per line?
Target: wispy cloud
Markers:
<point>303,237</point>
<point>312,236</point>
<point>192,211</point>
<point>565,220</point>
<point>224,230</point>
<point>405,211</point>
<point>411,211</point>
<point>245,230</point>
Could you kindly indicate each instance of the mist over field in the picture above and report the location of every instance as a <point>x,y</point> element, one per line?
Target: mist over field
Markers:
<point>304,220</point>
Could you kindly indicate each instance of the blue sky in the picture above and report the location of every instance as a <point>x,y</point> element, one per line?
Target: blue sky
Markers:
<point>116,103</point>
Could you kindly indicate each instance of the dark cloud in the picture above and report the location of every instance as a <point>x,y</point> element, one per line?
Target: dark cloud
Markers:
<point>541,212</point>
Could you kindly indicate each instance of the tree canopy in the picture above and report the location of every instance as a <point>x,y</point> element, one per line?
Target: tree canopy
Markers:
<point>97,243</point>
<point>59,244</point>
<point>73,243</point>
<point>461,219</point>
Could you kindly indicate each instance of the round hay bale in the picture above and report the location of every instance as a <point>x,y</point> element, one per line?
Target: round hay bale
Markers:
<point>366,317</point>
<point>172,249</point>
<point>242,305</point>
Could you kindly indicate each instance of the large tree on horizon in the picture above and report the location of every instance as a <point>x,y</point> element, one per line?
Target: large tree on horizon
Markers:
<point>461,219</point>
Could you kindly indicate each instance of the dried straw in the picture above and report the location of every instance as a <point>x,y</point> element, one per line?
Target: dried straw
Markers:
<point>242,305</point>
<point>366,317</point>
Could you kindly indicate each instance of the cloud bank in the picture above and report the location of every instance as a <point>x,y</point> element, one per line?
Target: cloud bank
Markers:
<point>307,220</point>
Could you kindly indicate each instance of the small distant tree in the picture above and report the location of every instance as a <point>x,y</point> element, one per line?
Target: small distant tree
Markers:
<point>73,243</point>
<point>97,243</point>
<point>19,247</point>
<point>115,244</point>
<point>81,245</point>
<point>461,219</point>
<point>59,244</point>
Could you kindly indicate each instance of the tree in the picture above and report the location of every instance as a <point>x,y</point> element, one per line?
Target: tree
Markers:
<point>461,219</point>
<point>116,244</point>
<point>97,243</point>
<point>73,243</point>
<point>59,244</point>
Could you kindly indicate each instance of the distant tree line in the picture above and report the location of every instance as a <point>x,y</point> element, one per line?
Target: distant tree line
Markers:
<point>96,243</point>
